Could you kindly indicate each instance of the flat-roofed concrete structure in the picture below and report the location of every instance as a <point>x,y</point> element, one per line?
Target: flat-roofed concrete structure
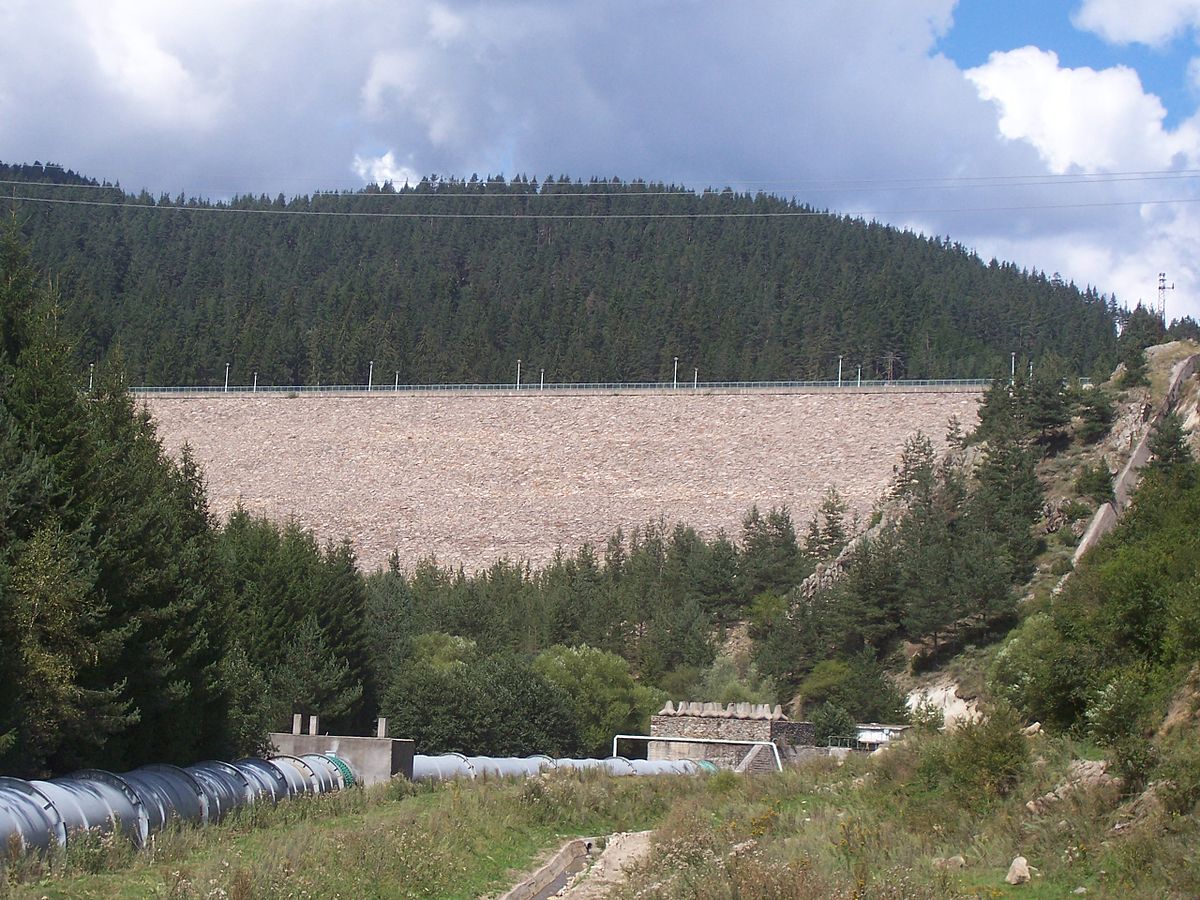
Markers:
<point>375,760</point>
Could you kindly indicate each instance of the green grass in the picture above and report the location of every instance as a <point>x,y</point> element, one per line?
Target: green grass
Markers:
<point>869,828</point>
<point>454,840</point>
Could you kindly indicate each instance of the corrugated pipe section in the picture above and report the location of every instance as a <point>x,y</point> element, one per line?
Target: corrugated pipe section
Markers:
<point>454,765</point>
<point>35,815</point>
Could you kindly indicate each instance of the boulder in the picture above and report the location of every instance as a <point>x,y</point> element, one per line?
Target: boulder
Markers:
<point>1018,871</point>
<point>953,862</point>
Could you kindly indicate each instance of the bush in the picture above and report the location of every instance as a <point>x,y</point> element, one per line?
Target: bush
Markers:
<point>927,716</point>
<point>1095,482</point>
<point>1134,758</point>
<point>1180,774</point>
<point>831,720</point>
<point>605,698</point>
<point>1116,710</point>
<point>987,759</point>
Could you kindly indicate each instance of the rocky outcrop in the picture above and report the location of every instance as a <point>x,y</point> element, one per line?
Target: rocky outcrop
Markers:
<point>1082,775</point>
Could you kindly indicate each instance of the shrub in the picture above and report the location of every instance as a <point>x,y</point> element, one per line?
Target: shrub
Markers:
<point>987,759</point>
<point>1094,482</point>
<point>1134,758</point>
<point>831,720</point>
<point>1180,773</point>
<point>1115,711</point>
<point>927,716</point>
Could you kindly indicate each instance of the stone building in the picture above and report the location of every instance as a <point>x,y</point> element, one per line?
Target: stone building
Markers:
<point>734,722</point>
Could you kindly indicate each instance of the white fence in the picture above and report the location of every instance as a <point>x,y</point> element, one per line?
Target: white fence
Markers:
<point>939,385</point>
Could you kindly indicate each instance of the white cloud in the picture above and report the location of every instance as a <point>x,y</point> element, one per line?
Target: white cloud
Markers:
<point>235,95</point>
<point>154,81</point>
<point>445,25</point>
<point>1153,22</point>
<point>1100,121</point>
<point>381,169</point>
<point>1084,118</point>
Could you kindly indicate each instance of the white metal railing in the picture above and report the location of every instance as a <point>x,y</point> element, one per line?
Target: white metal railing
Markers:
<point>847,385</point>
<point>695,740</point>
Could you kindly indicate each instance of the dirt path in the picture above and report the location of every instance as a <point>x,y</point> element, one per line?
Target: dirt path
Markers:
<point>609,871</point>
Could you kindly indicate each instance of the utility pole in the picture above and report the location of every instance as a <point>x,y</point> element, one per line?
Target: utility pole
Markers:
<point>1163,287</point>
<point>890,359</point>
<point>1012,369</point>
<point>91,375</point>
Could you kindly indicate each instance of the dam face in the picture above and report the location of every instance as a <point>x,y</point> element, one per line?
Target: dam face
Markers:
<point>470,478</point>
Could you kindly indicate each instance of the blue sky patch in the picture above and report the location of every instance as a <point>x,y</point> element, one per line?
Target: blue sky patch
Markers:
<point>984,26</point>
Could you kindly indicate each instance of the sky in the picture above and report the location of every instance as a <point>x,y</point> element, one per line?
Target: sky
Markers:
<point>1063,136</point>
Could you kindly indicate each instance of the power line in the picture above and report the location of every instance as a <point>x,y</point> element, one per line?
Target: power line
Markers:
<point>763,214</point>
<point>781,186</point>
<point>555,191</point>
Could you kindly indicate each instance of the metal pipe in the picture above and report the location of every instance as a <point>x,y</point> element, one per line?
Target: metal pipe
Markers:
<point>688,740</point>
<point>37,815</point>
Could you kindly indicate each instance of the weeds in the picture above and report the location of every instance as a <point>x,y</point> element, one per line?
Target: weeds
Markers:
<point>870,828</point>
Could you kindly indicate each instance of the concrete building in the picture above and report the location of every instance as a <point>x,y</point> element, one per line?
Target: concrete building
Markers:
<point>732,722</point>
<point>374,759</point>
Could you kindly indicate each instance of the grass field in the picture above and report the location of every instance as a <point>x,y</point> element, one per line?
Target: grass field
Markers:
<point>873,827</point>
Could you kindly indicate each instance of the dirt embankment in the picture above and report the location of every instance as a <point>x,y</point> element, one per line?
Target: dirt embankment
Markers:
<point>470,479</point>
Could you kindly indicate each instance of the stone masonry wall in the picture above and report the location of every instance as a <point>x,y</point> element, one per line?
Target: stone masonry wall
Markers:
<point>735,722</point>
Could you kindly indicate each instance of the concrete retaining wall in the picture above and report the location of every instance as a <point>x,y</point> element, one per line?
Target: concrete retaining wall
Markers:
<point>1107,516</point>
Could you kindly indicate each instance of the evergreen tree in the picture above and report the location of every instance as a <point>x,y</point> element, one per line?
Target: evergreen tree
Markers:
<point>770,559</point>
<point>1169,450</point>
<point>1008,500</point>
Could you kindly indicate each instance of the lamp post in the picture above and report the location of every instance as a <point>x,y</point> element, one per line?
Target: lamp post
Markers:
<point>91,375</point>
<point>542,380</point>
<point>227,378</point>
<point>695,378</point>
<point>839,370</point>
<point>518,374</point>
<point>859,375</point>
<point>397,385</point>
<point>675,374</point>
<point>1012,368</point>
<point>370,376</point>
<point>255,383</point>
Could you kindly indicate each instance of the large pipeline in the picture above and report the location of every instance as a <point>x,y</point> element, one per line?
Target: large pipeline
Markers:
<point>35,815</point>
<point>39,815</point>
<point>454,765</point>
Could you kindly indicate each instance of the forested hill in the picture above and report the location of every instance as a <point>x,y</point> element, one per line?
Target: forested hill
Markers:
<point>628,276</point>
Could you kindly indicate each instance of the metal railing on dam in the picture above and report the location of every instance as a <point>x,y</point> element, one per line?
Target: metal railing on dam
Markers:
<point>928,385</point>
